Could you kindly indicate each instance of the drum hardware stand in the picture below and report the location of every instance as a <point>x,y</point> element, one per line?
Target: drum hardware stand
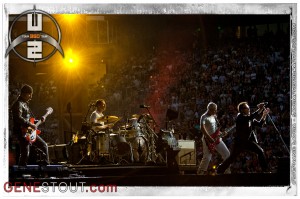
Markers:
<point>121,159</point>
<point>69,109</point>
<point>86,154</point>
<point>152,149</point>
<point>115,157</point>
<point>140,151</point>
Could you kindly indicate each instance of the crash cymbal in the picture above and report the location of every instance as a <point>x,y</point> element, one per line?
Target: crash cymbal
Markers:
<point>109,119</point>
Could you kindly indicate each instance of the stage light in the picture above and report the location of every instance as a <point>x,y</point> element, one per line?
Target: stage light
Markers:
<point>71,60</point>
<point>214,167</point>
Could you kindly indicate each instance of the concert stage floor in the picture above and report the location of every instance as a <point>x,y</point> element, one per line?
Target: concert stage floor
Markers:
<point>140,176</point>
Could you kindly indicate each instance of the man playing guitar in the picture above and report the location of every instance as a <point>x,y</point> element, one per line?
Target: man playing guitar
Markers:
<point>21,122</point>
<point>208,126</point>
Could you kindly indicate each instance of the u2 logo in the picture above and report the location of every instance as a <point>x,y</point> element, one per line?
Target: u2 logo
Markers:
<point>34,36</point>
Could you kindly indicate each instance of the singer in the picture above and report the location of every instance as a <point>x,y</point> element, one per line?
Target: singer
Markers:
<point>245,139</point>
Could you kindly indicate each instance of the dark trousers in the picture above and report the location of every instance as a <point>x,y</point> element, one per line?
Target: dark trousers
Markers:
<point>244,146</point>
<point>24,145</point>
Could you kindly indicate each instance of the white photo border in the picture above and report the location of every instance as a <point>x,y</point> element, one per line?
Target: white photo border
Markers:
<point>194,8</point>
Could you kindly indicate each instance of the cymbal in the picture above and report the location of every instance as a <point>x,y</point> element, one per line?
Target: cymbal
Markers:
<point>127,126</point>
<point>135,116</point>
<point>109,119</point>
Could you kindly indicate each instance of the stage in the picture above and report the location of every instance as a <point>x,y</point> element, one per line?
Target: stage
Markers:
<point>140,175</point>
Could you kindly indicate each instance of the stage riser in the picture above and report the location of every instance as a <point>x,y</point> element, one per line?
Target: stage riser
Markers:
<point>125,171</point>
<point>40,171</point>
<point>238,180</point>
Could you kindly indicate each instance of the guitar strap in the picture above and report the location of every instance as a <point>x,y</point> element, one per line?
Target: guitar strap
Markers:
<point>30,112</point>
<point>217,121</point>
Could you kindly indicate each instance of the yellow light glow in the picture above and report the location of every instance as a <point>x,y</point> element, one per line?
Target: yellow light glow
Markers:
<point>71,60</point>
<point>69,17</point>
<point>214,167</point>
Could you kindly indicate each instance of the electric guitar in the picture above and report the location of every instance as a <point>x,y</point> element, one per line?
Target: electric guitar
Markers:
<point>217,137</point>
<point>29,133</point>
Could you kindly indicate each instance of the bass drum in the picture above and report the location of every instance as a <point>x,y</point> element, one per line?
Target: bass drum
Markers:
<point>120,146</point>
<point>140,149</point>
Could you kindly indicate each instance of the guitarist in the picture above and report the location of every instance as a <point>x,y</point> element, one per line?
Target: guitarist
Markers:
<point>21,115</point>
<point>208,126</point>
<point>245,137</point>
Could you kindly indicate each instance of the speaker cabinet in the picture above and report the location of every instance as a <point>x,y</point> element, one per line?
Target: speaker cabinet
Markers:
<point>57,153</point>
<point>187,153</point>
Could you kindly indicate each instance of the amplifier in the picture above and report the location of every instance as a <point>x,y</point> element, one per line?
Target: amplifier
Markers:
<point>187,153</point>
<point>58,153</point>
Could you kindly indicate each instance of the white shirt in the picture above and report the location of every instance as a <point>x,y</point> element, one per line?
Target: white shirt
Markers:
<point>93,118</point>
<point>209,122</point>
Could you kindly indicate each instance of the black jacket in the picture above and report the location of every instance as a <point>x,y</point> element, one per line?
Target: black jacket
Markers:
<point>20,114</point>
<point>245,126</point>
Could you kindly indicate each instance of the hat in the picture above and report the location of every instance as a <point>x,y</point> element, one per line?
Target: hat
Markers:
<point>26,89</point>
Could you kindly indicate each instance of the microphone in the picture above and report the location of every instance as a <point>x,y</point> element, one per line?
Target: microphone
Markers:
<point>265,103</point>
<point>144,106</point>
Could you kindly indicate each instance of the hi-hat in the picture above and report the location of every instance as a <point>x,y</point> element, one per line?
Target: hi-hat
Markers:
<point>109,119</point>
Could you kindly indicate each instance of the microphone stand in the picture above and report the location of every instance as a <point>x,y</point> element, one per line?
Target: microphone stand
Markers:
<point>155,124</point>
<point>69,109</point>
<point>152,149</point>
<point>286,148</point>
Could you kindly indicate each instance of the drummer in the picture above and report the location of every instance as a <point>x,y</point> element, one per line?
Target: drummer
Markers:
<point>98,113</point>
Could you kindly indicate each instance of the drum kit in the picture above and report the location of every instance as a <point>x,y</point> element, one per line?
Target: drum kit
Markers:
<point>133,142</point>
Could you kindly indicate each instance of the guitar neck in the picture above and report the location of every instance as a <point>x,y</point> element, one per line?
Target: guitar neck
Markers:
<point>40,121</point>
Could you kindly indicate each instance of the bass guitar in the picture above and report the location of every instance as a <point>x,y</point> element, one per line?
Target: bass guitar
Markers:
<point>29,133</point>
<point>217,137</point>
